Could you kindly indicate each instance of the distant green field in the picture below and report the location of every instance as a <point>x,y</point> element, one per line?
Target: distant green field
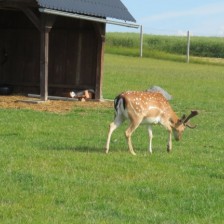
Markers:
<point>53,168</point>
<point>166,47</point>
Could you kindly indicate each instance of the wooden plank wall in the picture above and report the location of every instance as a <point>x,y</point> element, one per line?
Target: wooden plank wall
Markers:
<point>72,54</point>
<point>19,42</point>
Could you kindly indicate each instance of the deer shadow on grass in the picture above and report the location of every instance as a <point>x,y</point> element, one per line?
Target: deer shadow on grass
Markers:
<point>9,134</point>
<point>84,149</point>
<point>101,150</point>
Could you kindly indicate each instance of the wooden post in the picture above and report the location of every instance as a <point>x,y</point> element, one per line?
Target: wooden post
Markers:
<point>100,61</point>
<point>44,52</point>
<point>46,25</point>
<point>141,41</point>
<point>188,46</point>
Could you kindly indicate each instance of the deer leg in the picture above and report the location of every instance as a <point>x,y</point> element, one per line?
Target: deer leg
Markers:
<point>114,125</point>
<point>128,134</point>
<point>169,144</point>
<point>150,139</point>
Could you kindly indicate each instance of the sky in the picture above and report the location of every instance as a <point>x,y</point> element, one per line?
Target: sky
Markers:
<point>176,17</point>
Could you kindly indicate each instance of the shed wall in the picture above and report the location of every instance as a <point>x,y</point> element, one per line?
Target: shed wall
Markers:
<point>19,50</point>
<point>72,54</point>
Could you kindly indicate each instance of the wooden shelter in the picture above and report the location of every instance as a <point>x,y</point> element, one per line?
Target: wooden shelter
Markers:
<point>51,52</point>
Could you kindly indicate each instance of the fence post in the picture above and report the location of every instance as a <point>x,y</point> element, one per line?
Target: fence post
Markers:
<point>188,46</point>
<point>141,41</point>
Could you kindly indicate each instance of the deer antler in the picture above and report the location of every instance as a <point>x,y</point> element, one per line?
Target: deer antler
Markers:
<point>192,114</point>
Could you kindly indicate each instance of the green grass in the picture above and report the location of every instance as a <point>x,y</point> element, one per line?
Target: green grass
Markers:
<point>53,168</point>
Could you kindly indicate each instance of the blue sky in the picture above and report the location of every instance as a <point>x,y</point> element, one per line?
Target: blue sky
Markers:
<point>176,17</point>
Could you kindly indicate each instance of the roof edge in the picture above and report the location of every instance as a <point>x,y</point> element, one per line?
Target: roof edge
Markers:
<point>87,17</point>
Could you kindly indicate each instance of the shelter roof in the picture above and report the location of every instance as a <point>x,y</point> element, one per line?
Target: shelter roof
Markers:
<point>99,8</point>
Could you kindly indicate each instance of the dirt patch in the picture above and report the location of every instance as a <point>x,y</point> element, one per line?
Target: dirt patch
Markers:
<point>55,106</point>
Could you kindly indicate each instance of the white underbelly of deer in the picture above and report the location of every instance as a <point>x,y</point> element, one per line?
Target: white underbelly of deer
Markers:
<point>151,120</point>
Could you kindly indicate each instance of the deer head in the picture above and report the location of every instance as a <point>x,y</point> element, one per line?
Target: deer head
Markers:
<point>182,123</point>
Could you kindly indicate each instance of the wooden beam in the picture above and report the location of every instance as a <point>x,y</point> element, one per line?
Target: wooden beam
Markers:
<point>32,16</point>
<point>44,52</point>
<point>17,4</point>
<point>64,86</point>
<point>24,6</point>
<point>46,25</point>
<point>100,28</point>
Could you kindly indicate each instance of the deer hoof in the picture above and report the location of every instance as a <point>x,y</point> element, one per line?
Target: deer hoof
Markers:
<point>133,153</point>
<point>168,148</point>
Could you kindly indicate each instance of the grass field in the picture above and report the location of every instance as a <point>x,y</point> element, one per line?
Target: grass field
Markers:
<point>53,168</point>
<point>167,47</point>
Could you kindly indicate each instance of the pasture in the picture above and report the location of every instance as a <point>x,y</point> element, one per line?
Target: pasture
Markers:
<point>53,168</point>
<point>167,47</point>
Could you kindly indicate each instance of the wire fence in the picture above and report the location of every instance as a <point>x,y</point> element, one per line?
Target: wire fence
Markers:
<point>181,45</point>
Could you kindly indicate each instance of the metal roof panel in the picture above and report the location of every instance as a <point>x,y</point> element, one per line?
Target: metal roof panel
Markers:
<point>99,8</point>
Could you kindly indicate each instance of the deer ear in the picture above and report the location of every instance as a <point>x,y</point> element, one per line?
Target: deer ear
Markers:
<point>171,120</point>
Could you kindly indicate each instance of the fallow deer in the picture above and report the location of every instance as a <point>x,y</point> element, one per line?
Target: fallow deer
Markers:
<point>142,107</point>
